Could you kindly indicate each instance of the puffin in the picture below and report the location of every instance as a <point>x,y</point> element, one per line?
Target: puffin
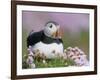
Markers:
<point>47,41</point>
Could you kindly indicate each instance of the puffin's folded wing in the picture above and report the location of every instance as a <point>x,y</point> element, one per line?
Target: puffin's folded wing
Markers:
<point>34,38</point>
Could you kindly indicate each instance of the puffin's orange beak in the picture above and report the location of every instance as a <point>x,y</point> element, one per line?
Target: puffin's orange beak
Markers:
<point>58,33</point>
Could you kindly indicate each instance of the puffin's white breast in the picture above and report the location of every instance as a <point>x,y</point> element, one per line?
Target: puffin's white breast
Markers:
<point>49,50</point>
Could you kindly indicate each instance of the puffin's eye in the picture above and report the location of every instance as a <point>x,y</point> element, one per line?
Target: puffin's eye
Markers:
<point>50,26</point>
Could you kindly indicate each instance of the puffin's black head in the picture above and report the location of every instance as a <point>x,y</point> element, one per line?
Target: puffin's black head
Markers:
<point>52,29</point>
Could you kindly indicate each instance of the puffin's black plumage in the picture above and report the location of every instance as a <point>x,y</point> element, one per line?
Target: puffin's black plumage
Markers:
<point>36,37</point>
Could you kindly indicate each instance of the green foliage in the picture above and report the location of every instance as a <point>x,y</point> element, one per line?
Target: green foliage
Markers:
<point>50,63</point>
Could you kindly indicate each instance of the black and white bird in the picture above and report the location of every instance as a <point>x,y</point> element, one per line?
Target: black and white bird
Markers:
<point>48,41</point>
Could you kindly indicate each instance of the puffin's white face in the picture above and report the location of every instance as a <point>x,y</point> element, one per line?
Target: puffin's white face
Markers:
<point>52,30</point>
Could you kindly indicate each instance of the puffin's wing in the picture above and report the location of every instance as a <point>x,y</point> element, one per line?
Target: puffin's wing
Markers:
<point>61,40</point>
<point>33,38</point>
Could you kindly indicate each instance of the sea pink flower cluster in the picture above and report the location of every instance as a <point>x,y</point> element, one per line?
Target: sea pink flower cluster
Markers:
<point>78,56</point>
<point>34,55</point>
<point>30,60</point>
